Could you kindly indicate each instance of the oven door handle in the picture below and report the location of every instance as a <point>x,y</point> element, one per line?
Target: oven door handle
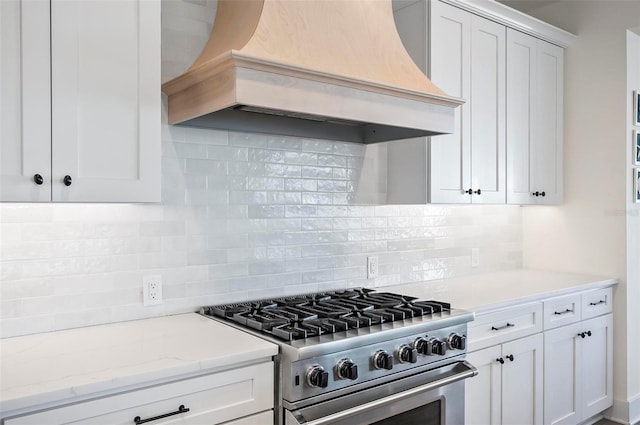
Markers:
<point>469,371</point>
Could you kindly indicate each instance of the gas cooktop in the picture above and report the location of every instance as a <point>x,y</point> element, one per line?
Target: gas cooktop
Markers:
<point>304,316</point>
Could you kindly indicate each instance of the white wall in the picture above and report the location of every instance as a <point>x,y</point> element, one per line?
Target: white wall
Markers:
<point>588,233</point>
<point>243,216</point>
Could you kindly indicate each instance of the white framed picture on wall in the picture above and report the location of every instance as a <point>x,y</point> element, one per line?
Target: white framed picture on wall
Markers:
<point>636,107</point>
<point>636,147</point>
<point>636,185</point>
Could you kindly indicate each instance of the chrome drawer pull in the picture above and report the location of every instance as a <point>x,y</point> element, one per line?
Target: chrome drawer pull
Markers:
<point>137,420</point>
<point>558,313</point>
<point>508,325</point>
<point>599,302</point>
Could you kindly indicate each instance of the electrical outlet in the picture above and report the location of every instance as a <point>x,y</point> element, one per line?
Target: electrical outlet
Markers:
<point>475,257</point>
<point>372,267</point>
<point>152,290</point>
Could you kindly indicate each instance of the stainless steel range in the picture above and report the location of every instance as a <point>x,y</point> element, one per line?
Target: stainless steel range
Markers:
<point>362,357</point>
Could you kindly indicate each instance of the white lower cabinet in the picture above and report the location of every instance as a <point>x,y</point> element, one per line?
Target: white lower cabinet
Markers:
<point>542,362</point>
<point>508,387</point>
<point>242,396</point>
<point>578,370</point>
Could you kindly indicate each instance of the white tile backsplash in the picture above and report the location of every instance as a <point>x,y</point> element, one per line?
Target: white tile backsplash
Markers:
<point>243,216</point>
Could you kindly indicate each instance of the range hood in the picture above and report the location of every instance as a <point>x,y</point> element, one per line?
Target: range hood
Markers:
<point>329,69</point>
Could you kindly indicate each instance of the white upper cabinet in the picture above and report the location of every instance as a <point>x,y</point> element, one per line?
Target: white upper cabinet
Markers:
<point>507,144</point>
<point>466,60</point>
<point>102,143</point>
<point>25,101</point>
<point>534,129</point>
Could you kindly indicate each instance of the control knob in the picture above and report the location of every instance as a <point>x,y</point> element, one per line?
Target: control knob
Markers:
<point>317,377</point>
<point>407,354</point>
<point>382,360</point>
<point>456,341</point>
<point>422,345</point>
<point>347,369</point>
<point>437,347</point>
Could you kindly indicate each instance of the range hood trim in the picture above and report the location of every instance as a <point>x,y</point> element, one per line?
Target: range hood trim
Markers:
<point>378,104</point>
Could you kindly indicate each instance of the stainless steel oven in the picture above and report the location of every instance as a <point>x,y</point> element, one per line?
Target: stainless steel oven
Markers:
<point>433,397</point>
<point>361,357</point>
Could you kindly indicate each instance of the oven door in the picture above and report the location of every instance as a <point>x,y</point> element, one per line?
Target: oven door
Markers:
<point>434,397</point>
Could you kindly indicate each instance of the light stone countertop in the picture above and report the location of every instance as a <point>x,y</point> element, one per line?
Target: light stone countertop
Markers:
<point>75,364</point>
<point>50,368</point>
<point>493,291</point>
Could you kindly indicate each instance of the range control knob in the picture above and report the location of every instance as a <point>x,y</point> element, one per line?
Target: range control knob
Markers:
<point>382,360</point>
<point>407,354</point>
<point>437,347</point>
<point>317,377</point>
<point>456,341</point>
<point>347,369</point>
<point>421,345</point>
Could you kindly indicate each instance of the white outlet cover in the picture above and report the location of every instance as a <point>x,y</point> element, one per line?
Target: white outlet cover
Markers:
<point>152,290</point>
<point>372,267</point>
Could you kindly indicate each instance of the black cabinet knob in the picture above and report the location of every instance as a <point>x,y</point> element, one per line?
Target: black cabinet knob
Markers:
<point>470,191</point>
<point>542,194</point>
<point>37,178</point>
<point>536,193</point>
<point>67,180</point>
<point>478,192</point>
<point>500,360</point>
<point>588,333</point>
<point>510,357</point>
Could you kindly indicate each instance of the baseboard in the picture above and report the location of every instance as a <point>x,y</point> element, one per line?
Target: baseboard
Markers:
<point>625,412</point>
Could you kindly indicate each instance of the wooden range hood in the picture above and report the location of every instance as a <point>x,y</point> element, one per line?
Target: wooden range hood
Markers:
<point>329,69</point>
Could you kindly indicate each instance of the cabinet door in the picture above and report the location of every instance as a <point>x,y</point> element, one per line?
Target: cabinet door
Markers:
<point>482,393</point>
<point>597,365</point>
<point>562,375</point>
<point>521,110</point>
<point>106,100</point>
<point>25,103</point>
<point>487,104</point>
<point>449,66</point>
<point>547,155</point>
<point>522,381</point>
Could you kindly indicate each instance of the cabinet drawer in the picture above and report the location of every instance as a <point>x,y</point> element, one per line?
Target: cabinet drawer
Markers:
<point>596,302</point>
<point>211,399</point>
<point>505,325</point>
<point>264,418</point>
<point>562,311</point>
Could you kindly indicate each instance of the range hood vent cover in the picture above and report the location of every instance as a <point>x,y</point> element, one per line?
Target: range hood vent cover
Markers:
<point>331,69</point>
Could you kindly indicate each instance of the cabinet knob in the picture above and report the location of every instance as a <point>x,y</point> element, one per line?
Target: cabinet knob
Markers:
<point>470,191</point>
<point>37,178</point>
<point>510,357</point>
<point>67,180</point>
<point>536,193</point>
<point>542,194</point>
<point>500,360</point>
<point>478,192</point>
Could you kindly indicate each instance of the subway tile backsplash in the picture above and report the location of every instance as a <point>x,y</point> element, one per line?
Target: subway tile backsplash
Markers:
<point>243,216</point>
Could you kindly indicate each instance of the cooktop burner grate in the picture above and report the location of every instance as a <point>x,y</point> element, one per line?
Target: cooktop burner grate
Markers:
<point>304,316</point>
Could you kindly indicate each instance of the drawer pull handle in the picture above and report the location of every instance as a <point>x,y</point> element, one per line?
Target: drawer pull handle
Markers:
<point>137,420</point>
<point>599,302</point>
<point>559,313</point>
<point>508,325</point>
